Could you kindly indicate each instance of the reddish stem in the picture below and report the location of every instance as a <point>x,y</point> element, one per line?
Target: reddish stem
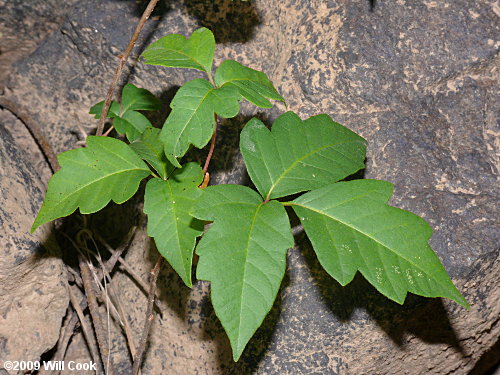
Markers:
<point>212,147</point>
<point>123,60</point>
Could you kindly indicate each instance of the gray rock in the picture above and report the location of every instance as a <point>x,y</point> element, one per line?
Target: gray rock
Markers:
<point>23,25</point>
<point>417,79</point>
<point>33,296</point>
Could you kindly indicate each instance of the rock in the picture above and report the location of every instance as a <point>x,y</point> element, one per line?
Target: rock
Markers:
<point>32,279</point>
<point>23,25</point>
<point>417,80</point>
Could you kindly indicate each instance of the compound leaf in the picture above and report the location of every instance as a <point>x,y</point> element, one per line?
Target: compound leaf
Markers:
<point>126,119</point>
<point>138,99</point>
<point>133,98</point>
<point>192,118</point>
<point>132,124</point>
<point>176,51</point>
<point>150,148</point>
<point>167,204</point>
<point>352,229</point>
<point>90,177</point>
<point>299,155</point>
<point>114,110</point>
<point>251,84</point>
<point>243,254</point>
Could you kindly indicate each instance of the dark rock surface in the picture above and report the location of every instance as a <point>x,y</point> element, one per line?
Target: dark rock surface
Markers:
<point>33,297</point>
<point>419,80</point>
<point>23,25</point>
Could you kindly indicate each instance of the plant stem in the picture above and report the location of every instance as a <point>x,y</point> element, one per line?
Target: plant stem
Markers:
<point>123,60</point>
<point>116,257</point>
<point>212,147</point>
<point>210,79</point>
<point>149,316</point>
<point>87,333</point>
<point>88,285</point>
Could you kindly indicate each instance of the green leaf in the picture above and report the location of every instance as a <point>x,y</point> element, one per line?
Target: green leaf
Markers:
<point>299,155</point>
<point>90,177</point>
<point>251,84</point>
<point>243,254</point>
<point>150,148</point>
<point>176,51</point>
<point>114,110</point>
<point>352,229</point>
<point>192,118</point>
<point>132,123</point>
<point>167,204</point>
<point>135,98</point>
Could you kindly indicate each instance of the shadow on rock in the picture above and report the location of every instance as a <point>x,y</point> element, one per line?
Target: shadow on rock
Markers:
<point>258,345</point>
<point>230,21</point>
<point>161,8</point>
<point>172,290</point>
<point>425,318</point>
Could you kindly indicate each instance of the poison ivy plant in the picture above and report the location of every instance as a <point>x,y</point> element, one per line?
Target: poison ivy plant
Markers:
<point>126,119</point>
<point>90,178</point>
<point>167,204</point>
<point>176,51</point>
<point>192,120</point>
<point>243,253</point>
<point>253,85</point>
<point>353,229</point>
<point>150,149</point>
<point>299,155</point>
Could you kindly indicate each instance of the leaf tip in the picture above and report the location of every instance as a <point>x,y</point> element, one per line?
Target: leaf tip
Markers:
<point>188,281</point>
<point>236,355</point>
<point>462,302</point>
<point>173,160</point>
<point>34,227</point>
<point>37,223</point>
<point>238,349</point>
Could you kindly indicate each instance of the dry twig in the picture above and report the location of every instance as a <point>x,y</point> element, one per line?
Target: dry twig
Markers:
<point>124,266</point>
<point>115,253</point>
<point>118,312</point>
<point>86,331</point>
<point>88,284</point>
<point>149,316</point>
<point>126,325</point>
<point>115,302</point>
<point>67,331</point>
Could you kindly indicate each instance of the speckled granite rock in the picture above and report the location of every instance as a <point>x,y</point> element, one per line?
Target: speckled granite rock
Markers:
<point>419,80</point>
